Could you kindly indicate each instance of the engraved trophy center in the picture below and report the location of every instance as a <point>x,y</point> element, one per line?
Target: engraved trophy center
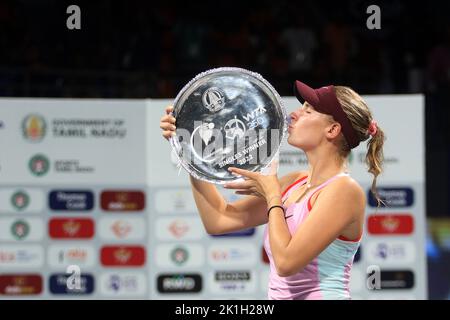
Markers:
<point>227,117</point>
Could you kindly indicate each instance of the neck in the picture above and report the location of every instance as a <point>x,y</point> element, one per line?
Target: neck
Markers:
<point>324,164</point>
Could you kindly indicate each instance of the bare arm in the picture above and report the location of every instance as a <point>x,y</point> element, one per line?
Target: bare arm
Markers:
<point>219,217</point>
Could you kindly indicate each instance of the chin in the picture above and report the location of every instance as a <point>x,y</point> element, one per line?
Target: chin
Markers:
<point>292,142</point>
<point>296,144</point>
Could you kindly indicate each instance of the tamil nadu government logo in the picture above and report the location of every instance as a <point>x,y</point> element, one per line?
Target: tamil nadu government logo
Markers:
<point>34,127</point>
<point>20,229</point>
<point>39,165</point>
<point>20,200</point>
<point>213,99</point>
<point>179,255</point>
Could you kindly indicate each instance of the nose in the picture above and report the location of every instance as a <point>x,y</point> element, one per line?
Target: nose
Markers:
<point>293,116</point>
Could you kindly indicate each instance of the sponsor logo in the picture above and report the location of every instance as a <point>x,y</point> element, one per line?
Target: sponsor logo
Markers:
<point>23,200</point>
<point>58,284</point>
<point>121,228</point>
<point>391,252</point>
<point>20,229</point>
<point>232,276</point>
<point>179,255</point>
<point>390,224</point>
<point>393,197</point>
<point>122,200</point>
<point>23,229</point>
<point>397,279</point>
<point>187,255</point>
<point>231,281</point>
<point>243,254</point>
<point>71,228</point>
<point>21,256</point>
<point>242,233</point>
<point>20,284</point>
<point>118,256</point>
<point>71,200</point>
<point>176,228</point>
<point>39,165</point>
<point>129,228</point>
<point>65,255</point>
<point>34,128</point>
<point>179,283</point>
<point>177,201</point>
<point>20,200</point>
<point>123,284</point>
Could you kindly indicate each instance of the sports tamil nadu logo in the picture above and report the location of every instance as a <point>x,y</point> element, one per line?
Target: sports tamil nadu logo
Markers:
<point>39,165</point>
<point>34,127</point>
<point>20,229</point>
<point>20,200</point>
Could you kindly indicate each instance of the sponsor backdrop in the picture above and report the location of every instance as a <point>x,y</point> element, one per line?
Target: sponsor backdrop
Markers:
<point>92,184</point>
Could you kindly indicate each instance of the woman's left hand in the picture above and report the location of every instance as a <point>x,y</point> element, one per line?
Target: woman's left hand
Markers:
<point>255,183</point>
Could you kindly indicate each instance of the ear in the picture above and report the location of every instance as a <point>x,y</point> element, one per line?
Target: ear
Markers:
<point>333,130</point>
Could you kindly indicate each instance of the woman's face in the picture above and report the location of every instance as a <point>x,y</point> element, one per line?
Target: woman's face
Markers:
<point>308,127</point>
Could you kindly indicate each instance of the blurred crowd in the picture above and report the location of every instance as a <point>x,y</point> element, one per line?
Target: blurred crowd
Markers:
<point>147,49</point>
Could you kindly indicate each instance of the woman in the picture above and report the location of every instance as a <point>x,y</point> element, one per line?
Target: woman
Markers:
<point>314,218</point>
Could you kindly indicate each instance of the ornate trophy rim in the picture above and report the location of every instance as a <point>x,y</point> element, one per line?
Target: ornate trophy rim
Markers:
<point>175,144</point>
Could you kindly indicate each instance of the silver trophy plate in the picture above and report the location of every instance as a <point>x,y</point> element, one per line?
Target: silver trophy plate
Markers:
<point>227,117</point>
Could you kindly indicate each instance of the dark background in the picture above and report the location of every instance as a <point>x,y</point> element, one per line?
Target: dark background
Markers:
<point>138,49</point>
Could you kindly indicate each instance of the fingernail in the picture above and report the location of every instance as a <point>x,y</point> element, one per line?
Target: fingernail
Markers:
<point>174,134</point>
<point>173,127</point>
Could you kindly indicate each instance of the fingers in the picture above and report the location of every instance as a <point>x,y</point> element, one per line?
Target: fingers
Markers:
<point>239,185</point>
<point>243,192</point>
<point>247,193</point>
<point>242,172</point>
<point>167,126</point>
<point>169,109</point>
<point>168,118</point>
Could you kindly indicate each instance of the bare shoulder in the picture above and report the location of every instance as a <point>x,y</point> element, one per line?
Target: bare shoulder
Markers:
<point>348,189</point>
<point>290,178</point>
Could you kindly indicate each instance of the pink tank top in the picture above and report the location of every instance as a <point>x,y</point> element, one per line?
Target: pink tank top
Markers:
<point>328,275</point>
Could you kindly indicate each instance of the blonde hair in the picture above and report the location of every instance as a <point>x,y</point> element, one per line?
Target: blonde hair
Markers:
<point>360,117</point>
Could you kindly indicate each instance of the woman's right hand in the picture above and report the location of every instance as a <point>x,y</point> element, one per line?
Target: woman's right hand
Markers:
<point>167,123</point>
